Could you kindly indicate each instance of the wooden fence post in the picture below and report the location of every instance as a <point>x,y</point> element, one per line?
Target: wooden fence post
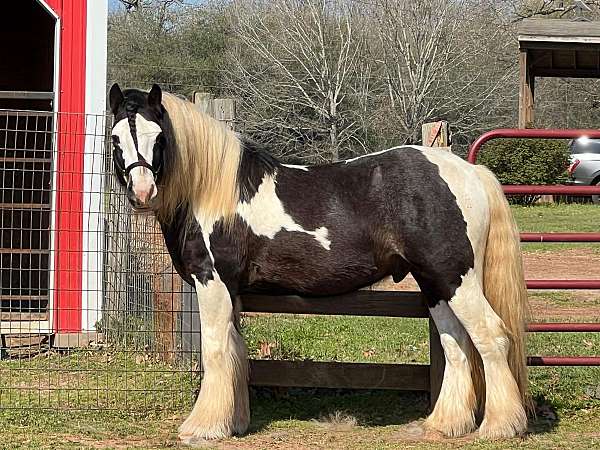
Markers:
<point>222,109</point>
<point>204,102</point>
<point>436,134</point>
<point>167,286</point>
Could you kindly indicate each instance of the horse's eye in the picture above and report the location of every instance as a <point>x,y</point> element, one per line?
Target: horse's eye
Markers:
<point>115,141</point>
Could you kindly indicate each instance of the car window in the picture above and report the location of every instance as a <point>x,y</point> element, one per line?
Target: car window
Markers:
<point>586,146</point>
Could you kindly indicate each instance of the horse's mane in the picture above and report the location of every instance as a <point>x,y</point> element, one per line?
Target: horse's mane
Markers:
<point>206,160</point>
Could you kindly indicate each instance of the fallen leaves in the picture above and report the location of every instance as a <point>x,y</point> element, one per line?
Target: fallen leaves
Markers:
<point>369,353</point>
<point>264,350</point>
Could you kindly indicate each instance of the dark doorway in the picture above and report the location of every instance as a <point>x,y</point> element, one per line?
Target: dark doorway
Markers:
<point>27,61</point>
<point>27,54</point>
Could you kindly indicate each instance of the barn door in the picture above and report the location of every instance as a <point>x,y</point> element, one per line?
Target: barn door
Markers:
<point>27,93</point>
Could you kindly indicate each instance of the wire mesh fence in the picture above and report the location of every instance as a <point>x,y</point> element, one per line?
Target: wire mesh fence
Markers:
<point>93,315</point>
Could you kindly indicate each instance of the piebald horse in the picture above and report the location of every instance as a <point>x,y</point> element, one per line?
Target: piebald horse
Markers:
<point>236,220</point>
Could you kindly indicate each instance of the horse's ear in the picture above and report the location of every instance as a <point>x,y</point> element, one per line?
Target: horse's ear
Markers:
<point>115,98</point>
<point>155,97</point>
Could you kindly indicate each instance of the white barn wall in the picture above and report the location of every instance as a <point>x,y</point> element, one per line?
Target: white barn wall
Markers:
<point>95,108</point>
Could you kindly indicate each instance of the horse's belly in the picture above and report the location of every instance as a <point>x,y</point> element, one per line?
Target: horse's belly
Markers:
<point>313,272</point>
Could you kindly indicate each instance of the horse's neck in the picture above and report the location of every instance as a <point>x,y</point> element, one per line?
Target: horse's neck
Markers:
<point>255,163</point>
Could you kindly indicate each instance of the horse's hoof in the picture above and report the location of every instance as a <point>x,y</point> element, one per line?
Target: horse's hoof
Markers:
<point>196,442</point>
<point>503,429</point>
<point>452,427</point>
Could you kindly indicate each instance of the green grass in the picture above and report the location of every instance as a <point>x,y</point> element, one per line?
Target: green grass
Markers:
<point>562,217</point>
<point>565,299</point>
<point>126,413</point>
<point>557,218</point>
<point>360,339</point>
<point>93,380</point>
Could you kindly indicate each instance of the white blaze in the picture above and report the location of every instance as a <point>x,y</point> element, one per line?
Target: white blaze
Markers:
<point>147,131</point>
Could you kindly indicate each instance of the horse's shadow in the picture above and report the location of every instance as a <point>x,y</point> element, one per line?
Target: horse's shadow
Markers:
<point>330,406</point>
<point>366,408</point>
<point>546,417</point>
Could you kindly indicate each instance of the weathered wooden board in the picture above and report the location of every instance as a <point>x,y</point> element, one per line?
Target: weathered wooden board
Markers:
<point>409,377</point>
<point>359,303</point>
<point>437,362</point>
<point>559,30</point>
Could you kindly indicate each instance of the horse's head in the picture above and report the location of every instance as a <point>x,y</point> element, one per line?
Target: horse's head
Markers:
<point>138,141</point>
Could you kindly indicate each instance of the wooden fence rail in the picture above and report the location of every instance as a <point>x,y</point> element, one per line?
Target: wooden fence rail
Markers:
<point>408,377</point>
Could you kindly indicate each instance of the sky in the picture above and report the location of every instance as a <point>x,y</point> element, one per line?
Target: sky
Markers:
<point>114,4</point>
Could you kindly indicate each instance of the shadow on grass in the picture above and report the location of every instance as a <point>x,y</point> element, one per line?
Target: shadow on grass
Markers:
<point>546,416</point>
<point>368,407</point>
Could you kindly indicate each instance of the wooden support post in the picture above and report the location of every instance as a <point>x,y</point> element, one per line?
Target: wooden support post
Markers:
<point>526,91</point>
<point>204,102</point>
<point>222,109</point>
<point>436,134</point>
<point>167,292</point>
<point>436,363</point>
<point>167,304</point>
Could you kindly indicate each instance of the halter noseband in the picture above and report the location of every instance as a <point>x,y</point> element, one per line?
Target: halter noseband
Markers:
<point>141,162</point>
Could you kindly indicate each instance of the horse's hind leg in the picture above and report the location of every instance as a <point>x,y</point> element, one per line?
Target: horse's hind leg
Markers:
<point>504,413</point>
<point>221,409</point>
<point>454,411</point>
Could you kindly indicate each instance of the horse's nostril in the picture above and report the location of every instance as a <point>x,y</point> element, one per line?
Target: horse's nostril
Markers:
<point>151,192</point>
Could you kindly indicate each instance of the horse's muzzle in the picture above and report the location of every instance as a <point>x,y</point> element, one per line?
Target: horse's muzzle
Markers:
<point>142,198</point>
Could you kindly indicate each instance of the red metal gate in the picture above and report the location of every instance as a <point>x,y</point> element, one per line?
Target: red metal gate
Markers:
<point>551,237</point>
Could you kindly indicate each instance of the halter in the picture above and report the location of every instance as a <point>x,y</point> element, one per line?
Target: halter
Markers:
<point>141,162</point>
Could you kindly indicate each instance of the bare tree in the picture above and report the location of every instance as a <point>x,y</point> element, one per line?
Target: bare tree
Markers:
<point>443,59</point>
<point>135,5</point>
<point>301,71</point>
<point>523,9</point>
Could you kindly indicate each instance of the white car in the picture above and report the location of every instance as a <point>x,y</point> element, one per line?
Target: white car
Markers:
<point>585,163</point>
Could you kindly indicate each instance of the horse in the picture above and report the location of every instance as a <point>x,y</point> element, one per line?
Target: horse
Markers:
<point>236,220</point>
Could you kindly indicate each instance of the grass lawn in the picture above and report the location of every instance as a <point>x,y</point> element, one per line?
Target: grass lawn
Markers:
<point>113,399</point>
<point>558,218</point>
<point>121,408</point>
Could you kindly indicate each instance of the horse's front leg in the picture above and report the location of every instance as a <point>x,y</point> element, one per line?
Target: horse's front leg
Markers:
<point>222,408</point>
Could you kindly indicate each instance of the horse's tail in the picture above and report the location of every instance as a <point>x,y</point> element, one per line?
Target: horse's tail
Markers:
<point>503,279</point>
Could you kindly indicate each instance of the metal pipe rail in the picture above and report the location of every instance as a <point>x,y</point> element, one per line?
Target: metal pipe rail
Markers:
<point>536,189</point>
<point>545,361</point>
<point>551,237</point>
<point>563,328</point>
<point>515,133</point>
<point>563,284</point>
<point>560,237</point>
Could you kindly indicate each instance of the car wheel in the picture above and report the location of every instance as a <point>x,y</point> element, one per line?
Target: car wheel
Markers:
<point>596,198</point>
